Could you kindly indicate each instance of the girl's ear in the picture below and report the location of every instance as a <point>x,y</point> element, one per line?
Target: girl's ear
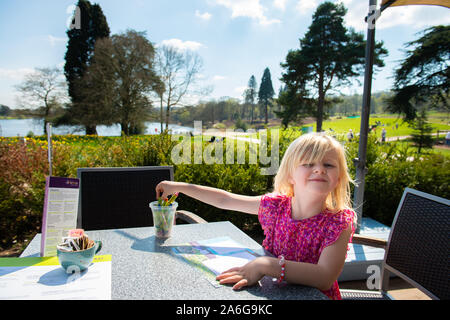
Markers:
<point>290,180</point>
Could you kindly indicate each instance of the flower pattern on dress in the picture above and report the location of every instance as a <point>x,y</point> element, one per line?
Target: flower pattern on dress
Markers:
<point>301,240</point>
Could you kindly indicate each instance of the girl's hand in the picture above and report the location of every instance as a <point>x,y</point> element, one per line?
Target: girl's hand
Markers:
<point>165,188</point>
<point>246,275</point>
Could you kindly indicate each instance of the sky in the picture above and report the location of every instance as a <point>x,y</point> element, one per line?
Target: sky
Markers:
<point>235,38</point>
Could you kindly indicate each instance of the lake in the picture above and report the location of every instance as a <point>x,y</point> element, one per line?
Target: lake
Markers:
<point>21,127</point>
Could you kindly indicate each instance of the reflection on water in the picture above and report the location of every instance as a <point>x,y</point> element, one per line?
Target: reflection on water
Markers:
<point>22,127</point>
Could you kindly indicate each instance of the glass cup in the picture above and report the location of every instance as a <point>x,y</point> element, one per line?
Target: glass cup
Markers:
<point>163,218</point>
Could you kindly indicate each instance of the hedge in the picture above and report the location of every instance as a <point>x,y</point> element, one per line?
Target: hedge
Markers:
<point>23,167</point>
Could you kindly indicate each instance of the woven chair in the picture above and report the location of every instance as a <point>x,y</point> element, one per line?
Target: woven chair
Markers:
<point>418,248</point>
<point>112,198</point>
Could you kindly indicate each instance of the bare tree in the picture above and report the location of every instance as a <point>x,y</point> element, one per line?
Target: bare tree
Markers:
<point>178,71</point>
<point>250,95</point>
<point>43,88</point>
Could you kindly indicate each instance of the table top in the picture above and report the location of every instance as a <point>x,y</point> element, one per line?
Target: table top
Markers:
<point>145,267</point>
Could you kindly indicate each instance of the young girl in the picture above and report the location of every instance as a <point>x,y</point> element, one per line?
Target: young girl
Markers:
<point>307,220</point>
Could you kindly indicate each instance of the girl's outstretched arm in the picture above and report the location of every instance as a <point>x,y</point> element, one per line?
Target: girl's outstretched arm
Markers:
<point>216,197</point>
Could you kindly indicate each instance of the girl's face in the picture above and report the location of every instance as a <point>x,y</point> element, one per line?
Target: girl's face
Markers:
<point>320,177</point>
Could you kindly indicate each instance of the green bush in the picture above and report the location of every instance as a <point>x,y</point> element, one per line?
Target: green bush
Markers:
<point>22,182</point>
<point>386,181</point>
<point>393,167</point>
<point>23,166</point>
<point>233,177</point>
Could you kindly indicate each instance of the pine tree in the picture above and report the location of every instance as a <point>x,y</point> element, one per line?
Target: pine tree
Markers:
<point>422,131</point>
<point>80,50</point>
<point>266,93</point>
<point>329,56</point>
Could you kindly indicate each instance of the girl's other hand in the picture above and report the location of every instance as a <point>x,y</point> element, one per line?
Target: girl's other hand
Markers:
<point>246,275</point>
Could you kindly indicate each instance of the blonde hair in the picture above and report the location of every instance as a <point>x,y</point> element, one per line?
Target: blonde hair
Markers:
<point>309,148</point>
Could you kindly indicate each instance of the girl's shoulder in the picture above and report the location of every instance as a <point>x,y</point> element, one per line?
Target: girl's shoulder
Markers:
<point>274,198</point>
<point>273,202</point>
<point>335,224</point>
<point>342,217</point>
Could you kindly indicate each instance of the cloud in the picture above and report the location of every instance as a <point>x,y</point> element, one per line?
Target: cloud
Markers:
<point>15,74</point>
<point>415,16</point>
<point>305,6</point>
<point>218,78</point>
<point>280,4</point>
<point>182,45</point>
<point>248,8</point>
<point>54,40</point>
<point>204,16</point>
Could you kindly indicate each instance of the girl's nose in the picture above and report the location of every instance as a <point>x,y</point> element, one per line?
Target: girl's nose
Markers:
<point>320,168</point>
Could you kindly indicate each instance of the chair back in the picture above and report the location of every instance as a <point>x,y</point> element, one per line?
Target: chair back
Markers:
<point>112,198</point>
<point>418,245</point>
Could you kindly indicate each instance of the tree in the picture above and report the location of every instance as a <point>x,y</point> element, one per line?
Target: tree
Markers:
<point>422,131</point>
<point>43,88</point>
<point>121,78</point>
<point>424,74</point>
<point>294,99</point>
<point>266,93</point>
<point>250,96</point>
<point>178,71</point>
<point>4,110</point>
<point>80,50</point>
<point>329,57</point>
<point>293,107</point>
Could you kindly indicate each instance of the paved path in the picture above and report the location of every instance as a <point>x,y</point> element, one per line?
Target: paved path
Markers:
<point>406,137</point>
<point>243,136</point>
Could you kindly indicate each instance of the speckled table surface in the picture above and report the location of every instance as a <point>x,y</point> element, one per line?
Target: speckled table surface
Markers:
<point>145,267</point>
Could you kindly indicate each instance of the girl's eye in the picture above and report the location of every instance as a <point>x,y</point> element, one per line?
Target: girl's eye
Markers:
<point>329,165</point>
<point>307,165</point>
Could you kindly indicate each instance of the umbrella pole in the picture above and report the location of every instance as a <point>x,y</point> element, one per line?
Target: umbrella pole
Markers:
<point>360,162</point>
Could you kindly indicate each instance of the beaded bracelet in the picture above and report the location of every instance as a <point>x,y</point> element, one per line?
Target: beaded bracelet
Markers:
<point>282,263</point>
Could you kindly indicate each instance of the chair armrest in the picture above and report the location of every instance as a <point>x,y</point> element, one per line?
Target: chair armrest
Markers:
<point>369,241</point>
<point>189,217</point>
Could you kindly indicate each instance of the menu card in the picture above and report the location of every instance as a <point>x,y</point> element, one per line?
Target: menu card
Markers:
<point>60,212</point>
<point>38,278</point>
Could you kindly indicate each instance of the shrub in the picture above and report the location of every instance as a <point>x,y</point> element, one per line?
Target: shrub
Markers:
<point>23,166</point>
<point>22,182</point>
<point>240,124</point>
<point>393,167</point>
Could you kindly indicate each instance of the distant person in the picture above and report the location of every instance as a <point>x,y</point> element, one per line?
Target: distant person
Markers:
<point>447,138</point>
<point>350,135</point>
<point>383,135</point>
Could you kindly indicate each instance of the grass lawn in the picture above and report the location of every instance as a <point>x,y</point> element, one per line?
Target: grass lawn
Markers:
<point>342,125</point>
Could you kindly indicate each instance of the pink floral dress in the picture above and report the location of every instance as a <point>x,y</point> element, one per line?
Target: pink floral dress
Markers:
<point>301,240</point>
